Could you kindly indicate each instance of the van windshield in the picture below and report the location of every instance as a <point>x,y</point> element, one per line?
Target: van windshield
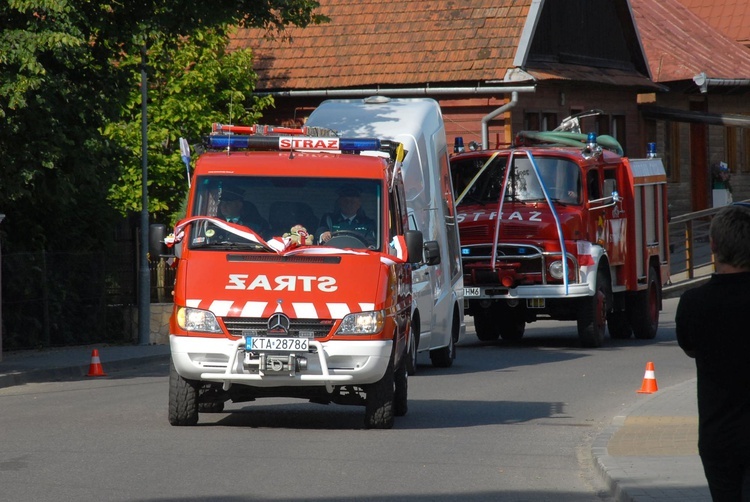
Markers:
<point>561,178</point>
<point>348,211</point>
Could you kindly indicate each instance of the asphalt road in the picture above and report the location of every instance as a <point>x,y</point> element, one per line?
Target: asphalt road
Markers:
<point>506,422</point>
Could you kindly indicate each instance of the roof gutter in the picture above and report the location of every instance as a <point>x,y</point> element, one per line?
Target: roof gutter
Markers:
<point>486,119</point>
<point>422,91</point>
<point>408,91</point>
<point>702,81</point>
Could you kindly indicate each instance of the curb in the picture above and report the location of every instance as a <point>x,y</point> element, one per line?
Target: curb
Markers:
<point>676,289</point>
<point>609,469</point>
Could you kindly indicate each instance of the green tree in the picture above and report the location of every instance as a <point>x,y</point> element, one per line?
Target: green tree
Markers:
<point>190,87</point>
<point>66,75</point>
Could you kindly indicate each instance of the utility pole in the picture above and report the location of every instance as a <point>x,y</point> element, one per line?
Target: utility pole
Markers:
<point>2,217</point>
<point>144,289</point>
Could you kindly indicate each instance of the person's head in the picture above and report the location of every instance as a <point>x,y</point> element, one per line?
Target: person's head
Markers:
<point>230,201</point>
<point>730,236</point>
<point>349,200</point>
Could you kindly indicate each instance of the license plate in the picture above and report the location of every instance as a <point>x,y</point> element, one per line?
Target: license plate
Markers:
<point>535,303</point>
<point>472,292</point>
<point>265,343</point>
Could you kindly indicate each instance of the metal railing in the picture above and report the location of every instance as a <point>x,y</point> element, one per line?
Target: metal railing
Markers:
<point>690,250</point>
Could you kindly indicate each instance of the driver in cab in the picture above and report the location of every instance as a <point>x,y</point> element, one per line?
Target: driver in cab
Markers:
<point>347,217</point>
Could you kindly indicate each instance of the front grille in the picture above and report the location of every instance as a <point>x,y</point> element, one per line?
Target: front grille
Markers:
<point>474,232</point>
<point>309,328</point>
<point>484,251</point>
<point>507,231</point>
<point>518,231</point>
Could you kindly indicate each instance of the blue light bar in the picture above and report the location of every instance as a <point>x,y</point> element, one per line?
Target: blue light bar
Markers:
<point>359,144</point>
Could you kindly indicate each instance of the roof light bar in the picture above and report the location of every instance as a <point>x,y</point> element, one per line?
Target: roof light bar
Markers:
<point>217,141</point>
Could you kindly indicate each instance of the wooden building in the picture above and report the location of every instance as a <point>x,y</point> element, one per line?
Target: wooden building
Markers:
<point>497,67</point>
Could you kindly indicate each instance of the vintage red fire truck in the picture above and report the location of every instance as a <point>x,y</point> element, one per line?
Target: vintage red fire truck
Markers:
<point>265,305</point>
<point>562,226</point>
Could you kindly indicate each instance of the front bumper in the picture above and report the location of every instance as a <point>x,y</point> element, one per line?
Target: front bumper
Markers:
<point>497,292</point>
<point>337,362</point>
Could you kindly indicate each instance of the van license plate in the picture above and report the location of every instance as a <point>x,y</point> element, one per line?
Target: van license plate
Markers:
<point>264,343</point>
<point>472,292</point>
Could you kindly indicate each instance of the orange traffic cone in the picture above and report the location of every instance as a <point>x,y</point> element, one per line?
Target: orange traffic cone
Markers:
<point>95,368</point>
<point>649,380</point>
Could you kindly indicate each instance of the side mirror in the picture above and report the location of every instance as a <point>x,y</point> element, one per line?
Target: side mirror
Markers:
<point>414,245</point>
<point>431,252</point>
<point>156,234</point>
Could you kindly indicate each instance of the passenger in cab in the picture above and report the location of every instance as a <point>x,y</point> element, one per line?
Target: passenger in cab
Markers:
<point>234,209</point>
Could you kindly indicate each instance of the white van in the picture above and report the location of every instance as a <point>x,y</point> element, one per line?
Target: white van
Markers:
<point>417,123</point>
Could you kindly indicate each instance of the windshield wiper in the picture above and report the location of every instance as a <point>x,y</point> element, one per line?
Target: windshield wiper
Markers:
<point>229,245</point>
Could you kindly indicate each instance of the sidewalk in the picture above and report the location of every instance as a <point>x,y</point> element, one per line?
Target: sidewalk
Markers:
<point>18,368</point>
<point>648,454</point>
<point>651,452</point>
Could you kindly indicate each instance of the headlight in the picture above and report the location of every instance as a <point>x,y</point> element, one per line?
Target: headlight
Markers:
<point>556,269</point>
<point>191,319</point>
<point>362,323</point>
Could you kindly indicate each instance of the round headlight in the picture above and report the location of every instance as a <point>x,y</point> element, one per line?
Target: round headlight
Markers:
<point>556,269</point>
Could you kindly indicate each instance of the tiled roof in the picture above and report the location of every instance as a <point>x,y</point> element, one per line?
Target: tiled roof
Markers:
<point>372,42</point>
<point>438,42</point>
<point>730,17</point>
<point>680,45</point>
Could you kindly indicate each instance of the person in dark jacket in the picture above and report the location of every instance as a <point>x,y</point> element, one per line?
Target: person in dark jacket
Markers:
<point>235,209</point>
<point>713,326</point>
<point>347,216</point>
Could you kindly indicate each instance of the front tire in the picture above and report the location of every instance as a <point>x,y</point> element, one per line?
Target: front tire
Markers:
<point>183,399</point>
<point>592,313</point>
<point>413,348</point>
<point>644,307</point>
<point>443,357</point>
<point>401,390</point>
<point>379,399</point>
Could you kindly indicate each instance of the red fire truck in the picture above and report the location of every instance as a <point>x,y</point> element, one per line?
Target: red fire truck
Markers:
<point>264,304</point>
<point>562,226</point>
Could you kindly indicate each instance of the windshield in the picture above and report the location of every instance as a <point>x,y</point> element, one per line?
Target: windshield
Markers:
<point>328,211</point>
<point>561,177</point>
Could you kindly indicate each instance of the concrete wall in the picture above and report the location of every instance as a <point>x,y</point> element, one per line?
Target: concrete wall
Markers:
<point>159,330</point>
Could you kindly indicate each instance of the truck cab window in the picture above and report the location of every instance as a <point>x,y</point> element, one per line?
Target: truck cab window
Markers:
<point>593,185</point>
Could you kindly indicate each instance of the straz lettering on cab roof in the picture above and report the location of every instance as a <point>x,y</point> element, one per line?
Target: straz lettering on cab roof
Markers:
<point>292,143</point>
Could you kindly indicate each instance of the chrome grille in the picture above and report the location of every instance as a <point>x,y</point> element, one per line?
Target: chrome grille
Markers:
<point>318,328</point>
